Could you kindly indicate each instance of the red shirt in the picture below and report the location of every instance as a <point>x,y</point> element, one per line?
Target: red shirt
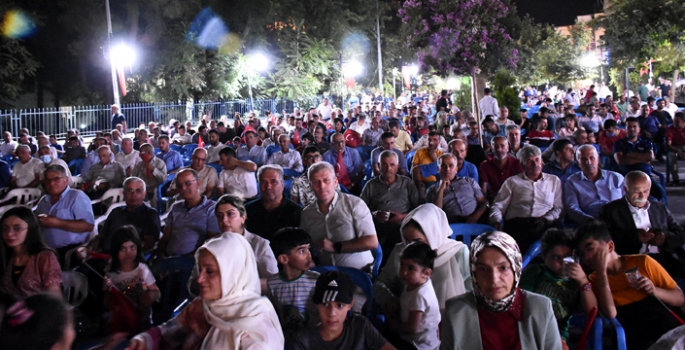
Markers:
<point>500,330</point>
<point>606,142</point>
<point>675,136</point>
<point>492,175</point>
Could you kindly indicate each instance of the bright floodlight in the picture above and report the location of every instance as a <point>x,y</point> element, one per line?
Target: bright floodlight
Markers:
<point>353,69</point>
<point>590,60</point>
<point>123,56</point>
<point>413,70</point>
<point>258,62</point>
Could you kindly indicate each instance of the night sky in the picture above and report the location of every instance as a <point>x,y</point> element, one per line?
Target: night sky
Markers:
<point>557,12</point>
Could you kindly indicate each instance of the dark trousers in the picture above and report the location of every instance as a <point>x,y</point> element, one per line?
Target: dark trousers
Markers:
<point>526,231</point>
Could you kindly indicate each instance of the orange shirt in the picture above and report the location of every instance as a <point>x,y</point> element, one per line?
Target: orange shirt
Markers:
<point>421,157</point>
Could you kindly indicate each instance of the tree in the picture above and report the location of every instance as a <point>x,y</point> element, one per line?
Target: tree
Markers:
<point>17,64</point>
<point>639,30</point>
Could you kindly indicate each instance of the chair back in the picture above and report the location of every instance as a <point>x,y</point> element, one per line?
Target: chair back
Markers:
<point>361,279</point>
<point>176,148</point>
<point>533,251</point>
<point>22,195</point>
<point>74,287</point>
<point>188,149</point>
<point>216,167</point>
<point>469,231</point>
<point>162,199</point>
<point>377,259</point>
<point>172,275</point>
<point>75,166</point>
<point>409,157</point>
<point>77,181</point>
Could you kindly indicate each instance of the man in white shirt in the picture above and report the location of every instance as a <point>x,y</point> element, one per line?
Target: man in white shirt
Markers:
<point>325,109</point>
<point>48,160</point>
<point>9,145</point>
<point>372,135</point>
<point>360,125</point>
<point>341,224</point>
<point>529,202</point>
<point>128,157</point>
<point>26,173</point>
<point>182,137</point>
<point>238,177</point>
<point>214,147</point>
<point>633,110</point>
<point>670,107</point>
<point>207,175</point>
<point>252,152</point>
<point>287,158</point>
<point>488,104</point>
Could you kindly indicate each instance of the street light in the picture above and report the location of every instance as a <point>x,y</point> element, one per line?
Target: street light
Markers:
<point>353,69</point>
<point>256,62</point>
<point>123,56</point>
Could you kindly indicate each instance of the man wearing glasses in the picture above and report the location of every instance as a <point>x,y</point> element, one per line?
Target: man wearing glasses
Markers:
<point>207,175</point>
<point>152,170</point>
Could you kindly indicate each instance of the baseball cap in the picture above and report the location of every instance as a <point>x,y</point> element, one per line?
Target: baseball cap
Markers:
<point>333,286</point>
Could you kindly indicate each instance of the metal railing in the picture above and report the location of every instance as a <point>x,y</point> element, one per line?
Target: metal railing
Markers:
<point>91,119</point>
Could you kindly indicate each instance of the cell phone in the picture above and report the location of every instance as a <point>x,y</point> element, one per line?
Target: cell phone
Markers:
<point>633,275</point>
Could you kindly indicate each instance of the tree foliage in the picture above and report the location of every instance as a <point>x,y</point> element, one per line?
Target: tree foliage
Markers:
<point>17,64</point>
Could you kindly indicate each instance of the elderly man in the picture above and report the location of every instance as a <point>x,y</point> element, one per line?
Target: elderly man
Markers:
<point>26,173</point>
<point>251,151</point>
<point>514,138</point>
<point>502,166</point>
<point>390,197</point>
<point>347,163</point>
<point>135,213</point>
<point>286,157</point>
<point>208,176</point>
<point>213,147</point>
<point>280,211</point>
<point>238,177</point>
<point>639,225</point>
<point>93,157</point>
<point>9,145</point>
<point>340,224</point>
<point>529,202</point>
<point>118,118</point>
<point>151,170</point>
<point>46,157</point>
<point>564,164</point>
<point>387,144</point>
<point>191,221</point>
<point>128,157</point>
<point>104,175</point>
<point>424,156</point>
<point>459,149</point>
<point>301,190</point>
<point>372,135</point>
<point>64,213</point>
<point>460,197</point>
<point>586,192</point>
<point>172,159</point>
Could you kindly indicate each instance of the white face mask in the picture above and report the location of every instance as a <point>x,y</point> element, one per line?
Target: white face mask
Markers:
<point>46,159</point>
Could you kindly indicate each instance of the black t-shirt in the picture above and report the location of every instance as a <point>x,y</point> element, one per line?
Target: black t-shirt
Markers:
<point>144,219</point>
<point>227,136</point>
<point>358,334</point>
<point>265,223</point>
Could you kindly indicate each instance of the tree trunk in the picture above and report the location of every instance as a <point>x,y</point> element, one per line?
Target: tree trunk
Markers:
<point>676,72</point>
<point>476,108</point>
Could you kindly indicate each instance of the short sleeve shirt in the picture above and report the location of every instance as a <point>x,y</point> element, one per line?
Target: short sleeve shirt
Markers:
<point>26,172</point>
<point>421,157</point>
<point>403,141</point>
<point>190,227</point>
<point>133,283</point>
<point>495,177</point>
<point>241,182</point>
<point>358,334</point>
<point>459,199</point>
<point>72,205</point>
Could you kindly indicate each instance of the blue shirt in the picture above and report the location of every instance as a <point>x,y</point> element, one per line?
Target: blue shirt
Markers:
<point>72,205</point>
<point>5,174</point>
<point>649,124</point>
<point>468,170</point>
<point>256,154</point>
<point>640,146</point>
<point>190,227</point>
<point>554,169</point>
<point>173,160</point>
<point>118,119</point>
<point>583,198</point>
<point>352,159</point>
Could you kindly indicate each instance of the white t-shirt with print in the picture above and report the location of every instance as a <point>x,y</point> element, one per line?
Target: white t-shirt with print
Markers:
<point>422,299</point>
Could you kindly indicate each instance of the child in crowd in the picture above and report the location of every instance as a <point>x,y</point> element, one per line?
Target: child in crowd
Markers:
<point>419,309</point>
<point>562,281</point>
<point>333,297</point>
<point>291,289</point>
<point>635,289</point>
<point>41,321</point>
<point>609,136</point>
<point>236,142</point>
<point>130,275</point>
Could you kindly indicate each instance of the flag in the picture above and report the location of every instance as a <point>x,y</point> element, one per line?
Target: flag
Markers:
<point>122,80</point>
<point>124,313</point>
<point>296,138</point>
<point>200,142</point>
<point>341,171</point>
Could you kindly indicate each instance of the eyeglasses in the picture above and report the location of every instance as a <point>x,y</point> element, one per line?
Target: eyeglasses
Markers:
<point>15,228</point>
<point>132,190</point>
<point>53,179</point>
<point>200,159</point>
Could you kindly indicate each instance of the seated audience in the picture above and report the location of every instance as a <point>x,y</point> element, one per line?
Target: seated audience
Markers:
<point>633,152</point>
<point>586,192</point>
<point>341,224</point>
<point>93,157</point>
<point>272,211</point>
<point>540,137</point>
<point>387,143</point>
<point>28,266</point>
<point>229,313</point>
<point>372,135</point>
<point>609,136</point>
<point>191,219</point>
<point>26,172</point>
<point>564,164</point>
<point>424,156</point>
<point>459,197</point>
<point>634,289</point>
<point>40,321</point>
<point>213,147</point>
<point>151,170</point>
<point>498,315</point>
<point>181,137</point>
<point>201,134</point>
<point>529,202</point>
<point>286,157</point>
<point>564,283</point>
<point>238,177</point>
<point>207,174</point>
<point>348,164</point>
<point>251,151</point>
<point>172,159</point>
<point>8,146</point>
<point>514,138</point>
<point>46,157</point>
<point>402,139</point>
<point>459,149</point>
<point>422,141</point>
<point>675,143</point>
<point>128,157</point>
<point>334,298</point>
<point>495,171</point>
<point>104,175</point>
<point>450,275</point>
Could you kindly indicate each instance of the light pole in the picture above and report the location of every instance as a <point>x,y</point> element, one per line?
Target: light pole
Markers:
<point>394,88</point>
<point>115,88</point>
<point>256,62</point>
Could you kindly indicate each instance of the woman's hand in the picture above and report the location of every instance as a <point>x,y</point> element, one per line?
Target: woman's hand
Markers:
<point>108,284</point>
<point>137,343</point>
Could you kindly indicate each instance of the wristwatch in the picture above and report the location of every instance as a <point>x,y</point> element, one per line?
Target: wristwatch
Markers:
<point>337,246</point>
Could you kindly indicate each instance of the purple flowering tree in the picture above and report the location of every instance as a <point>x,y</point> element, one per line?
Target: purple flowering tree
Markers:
<point>462,37</point>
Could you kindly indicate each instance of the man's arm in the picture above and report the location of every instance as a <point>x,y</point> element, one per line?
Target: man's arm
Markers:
<point>439,194</point>
<point>557,206</point>
<point>501,203</point>
<point>602,290</point>
<point>572,205</point>
<point>480,210</point>
<point>633,158</point>
<point>245,164</point>
<point>66,225</point>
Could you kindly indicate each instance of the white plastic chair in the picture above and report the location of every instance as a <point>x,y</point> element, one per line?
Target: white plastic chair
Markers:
<point>74,287</point>
<point>102,219</point>
<point>116,195</point>
<point>6,208</point>
<point>22,195</point>
<point>77,181</point>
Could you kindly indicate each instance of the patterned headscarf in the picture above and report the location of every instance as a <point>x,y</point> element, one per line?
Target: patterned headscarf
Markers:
<point>508,246</point>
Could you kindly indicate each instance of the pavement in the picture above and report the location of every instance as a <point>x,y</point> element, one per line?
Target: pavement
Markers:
<point>676,194</point>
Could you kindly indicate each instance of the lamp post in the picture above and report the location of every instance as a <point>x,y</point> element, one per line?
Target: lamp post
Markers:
<point>256,62</point>
<point>394,88</point>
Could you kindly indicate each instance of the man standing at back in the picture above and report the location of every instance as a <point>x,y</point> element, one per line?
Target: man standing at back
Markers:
<point>118,118</point>
<point>488,104</point>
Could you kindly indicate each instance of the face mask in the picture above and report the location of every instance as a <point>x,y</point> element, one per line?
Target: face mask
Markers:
<point>46,159</point>
<point>146,157</point>
<point>610,135</point>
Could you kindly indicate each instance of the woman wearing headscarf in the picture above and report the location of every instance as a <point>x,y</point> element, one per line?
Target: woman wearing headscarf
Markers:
<point>451,275</point>
<point>230,313</point>
<point>508,317</point>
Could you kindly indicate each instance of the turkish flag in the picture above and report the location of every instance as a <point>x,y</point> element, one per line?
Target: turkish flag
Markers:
<point>341,171</point>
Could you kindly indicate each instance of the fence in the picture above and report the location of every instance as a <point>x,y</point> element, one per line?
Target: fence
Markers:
<point>91,119</point>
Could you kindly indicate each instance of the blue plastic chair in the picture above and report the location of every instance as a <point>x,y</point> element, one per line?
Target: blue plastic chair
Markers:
<point>157,151</point>
<point>533,251</point>
<point>620,333</point>
<point>75,166</point>
<point>377,259</point>
<point>430,169</point>
<point>468,231</point>
<point>344,189</point>
<point>594,340</point>
<point>188,149</point>
<point>162,199</point>
<point>361,279</point>
<point>216,167</point>
<point>409,158</point>
<point>177,148</point>
<point>172,275</point>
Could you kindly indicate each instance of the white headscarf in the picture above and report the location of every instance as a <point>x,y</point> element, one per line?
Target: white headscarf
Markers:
<point>447,279</point>
<point>241,311</point>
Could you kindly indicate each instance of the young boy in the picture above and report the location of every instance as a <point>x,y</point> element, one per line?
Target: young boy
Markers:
<point>609,136</point>
<point>636,304</point>
<point>419,309</point>
<point>564,283</point>
<point>333,297</point>
<point>291,289</point>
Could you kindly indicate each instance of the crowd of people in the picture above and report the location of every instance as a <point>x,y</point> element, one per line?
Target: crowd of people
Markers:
<point>282,214</point>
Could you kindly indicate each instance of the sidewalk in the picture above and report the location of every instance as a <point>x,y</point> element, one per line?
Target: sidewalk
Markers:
<point>676,195</point>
